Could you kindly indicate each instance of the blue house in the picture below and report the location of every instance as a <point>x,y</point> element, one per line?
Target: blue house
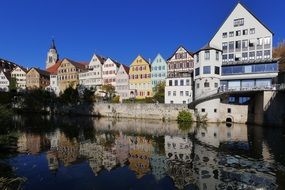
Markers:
<point>158,70</point>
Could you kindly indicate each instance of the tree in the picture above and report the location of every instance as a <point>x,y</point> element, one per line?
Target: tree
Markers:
<point>88,95</point>
<point>70,95</point>
<point>279,52</point>
<point>159,92</point>
<point>13,84</point>
<point>109,90</point>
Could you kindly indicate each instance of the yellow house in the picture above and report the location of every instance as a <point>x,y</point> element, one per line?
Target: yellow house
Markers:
<point>140,79</point>
<point>68,73</point>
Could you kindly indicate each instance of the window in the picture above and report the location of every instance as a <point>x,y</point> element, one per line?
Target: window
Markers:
<point>206,84</point>
<point>251,55</point>
<point>186,93</point>
<point>252,31</point>
<point>238,33</point>
<point>259,55</point>
<point>174,93</point>
<point>197,71</point>
<point>231,34</point>
<point>181,82</point>
<point>216,85</point>
<point>238,22</point>
<point>229,110</point>
<point>267,41</point>
<point>238,44</point>
<point>245,32</point>
<point>217,70</point>
<point>207,70</point>
<point>197,57</point>
<point>181,93</point>
<point>215,110</point>
<point>225,57</point>
<point>231,46</point>
<point>225,46</point>
<point>225,34</point>
<point>203,110</point>
<point>267,54</point>
<point>198,85</point>
<point>244,44</point>
<point>231,57</point>
<point>259,41</point>
<point>244,56</point>
<point>169,93</point>
<point>207,55</point>
<point>176,83</point>
<point>170,82</point>
<point>187,82</point>
<point>217,55</point>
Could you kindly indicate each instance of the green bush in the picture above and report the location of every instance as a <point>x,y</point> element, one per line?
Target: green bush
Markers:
<point>184,116</point>
<point>116,99</point>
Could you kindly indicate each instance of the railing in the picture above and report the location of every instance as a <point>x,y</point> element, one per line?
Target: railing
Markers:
<point>223,89</point>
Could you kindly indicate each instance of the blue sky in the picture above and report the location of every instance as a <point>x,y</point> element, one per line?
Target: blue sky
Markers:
<point>120,29</point>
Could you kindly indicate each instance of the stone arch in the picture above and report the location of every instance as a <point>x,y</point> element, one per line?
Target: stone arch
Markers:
<point>229,119</point>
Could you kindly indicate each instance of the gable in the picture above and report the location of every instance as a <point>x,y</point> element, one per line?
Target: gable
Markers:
<point>139,61</point>
<point>95,60</point>
<point>180,50</point>
<point>249,21</point>
<point>158,60</point>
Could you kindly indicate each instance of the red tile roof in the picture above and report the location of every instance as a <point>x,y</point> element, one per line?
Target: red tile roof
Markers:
<point>53,69</point>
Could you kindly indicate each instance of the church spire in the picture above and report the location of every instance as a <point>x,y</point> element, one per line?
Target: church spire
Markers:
<point>52,44</point>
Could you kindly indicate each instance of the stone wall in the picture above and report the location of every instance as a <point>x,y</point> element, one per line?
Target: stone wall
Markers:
<point>139,111</point>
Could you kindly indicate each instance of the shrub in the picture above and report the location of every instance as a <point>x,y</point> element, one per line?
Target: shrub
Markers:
<point>184,117</point>
<point>116,99</point>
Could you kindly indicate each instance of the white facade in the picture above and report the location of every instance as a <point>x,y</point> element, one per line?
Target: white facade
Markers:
<point>247,51</point>
<point>178,148</point>
<point>110,69</point>
<point>178,90</point>
<point>52,56</point>
<point>122,82</point>
<point>20,75</point>
<point>93,77</point>
<point>53,86</point>
<point>246,33</point>
<point>207,73</point>
<point>4,82</point>
<point>178,87</point>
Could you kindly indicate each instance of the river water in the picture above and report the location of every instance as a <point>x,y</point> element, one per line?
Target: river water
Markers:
<point>88,153</point>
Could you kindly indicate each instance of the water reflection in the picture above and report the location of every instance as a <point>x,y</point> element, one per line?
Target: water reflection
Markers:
<point>209,157</point>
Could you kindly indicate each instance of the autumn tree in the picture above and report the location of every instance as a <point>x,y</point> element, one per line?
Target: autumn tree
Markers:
<point>279,52</point>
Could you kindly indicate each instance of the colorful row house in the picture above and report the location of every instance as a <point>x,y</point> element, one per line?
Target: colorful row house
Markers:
<point>140,79</point>
<point>158,71</point>
<point>178,89</point>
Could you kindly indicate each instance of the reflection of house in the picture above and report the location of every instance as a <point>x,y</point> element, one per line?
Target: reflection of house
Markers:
<point>109,159</point>
<point>22,143</point>
<point>178,148</point>
<point>140,153</point>
<point>52,159</point>
<point>54,139</point>
<point>206,173</point>
<point>94,153</point>
<point>122,149</point>
<point>68,150</point>
<point>158,166</point>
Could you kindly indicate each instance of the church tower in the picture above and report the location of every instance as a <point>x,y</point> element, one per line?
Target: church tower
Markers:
<point>52,55</point>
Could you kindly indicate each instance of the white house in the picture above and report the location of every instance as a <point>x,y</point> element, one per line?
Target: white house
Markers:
<point>19,73</point>
<point>4,81</point>
<point>110,69</point>
<point>178,89</point>
<point>122,82</point>
<point>93,77</point>
<point>207,73</point>
<point>247,51</point>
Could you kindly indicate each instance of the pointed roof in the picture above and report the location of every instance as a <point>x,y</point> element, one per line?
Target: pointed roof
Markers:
<point>53,45</point>
<point>207,47</point>
<point>158,56</point>
<point>40,71</point>
<point>243,6</point>
<point>127,69</point>
<point>181,46</point>
<point>80,65</point>
<point>53,69</point>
